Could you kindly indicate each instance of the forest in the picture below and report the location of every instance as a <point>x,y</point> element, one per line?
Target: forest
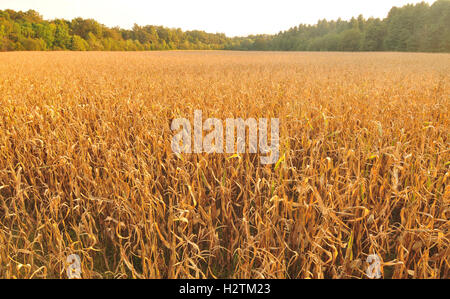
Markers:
<point>411,28</point>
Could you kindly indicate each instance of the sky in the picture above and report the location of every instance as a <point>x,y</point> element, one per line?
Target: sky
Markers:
<point>232,17</point>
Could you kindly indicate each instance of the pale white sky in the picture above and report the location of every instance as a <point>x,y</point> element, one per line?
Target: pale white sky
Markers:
<point>232,17</point>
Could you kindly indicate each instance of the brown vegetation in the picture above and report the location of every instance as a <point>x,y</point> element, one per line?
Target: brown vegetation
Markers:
<point>86,165</point>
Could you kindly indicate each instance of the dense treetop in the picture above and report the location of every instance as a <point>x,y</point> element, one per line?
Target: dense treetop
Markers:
<point>421,27</point>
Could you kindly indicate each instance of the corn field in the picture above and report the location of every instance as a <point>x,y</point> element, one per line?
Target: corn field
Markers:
<point>86,165</point>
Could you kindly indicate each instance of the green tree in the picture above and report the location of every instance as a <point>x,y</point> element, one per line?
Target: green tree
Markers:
<point>374,36</point>
<point>62,36</point>
<point>78,44</point>
<point>350,40</point>
<point>82,28</point>
<point>94,43</point>
<point>30,44</point>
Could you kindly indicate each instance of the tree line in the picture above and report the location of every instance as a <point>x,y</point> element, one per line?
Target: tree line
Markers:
<point>413,28</point>
<point>29,31</point>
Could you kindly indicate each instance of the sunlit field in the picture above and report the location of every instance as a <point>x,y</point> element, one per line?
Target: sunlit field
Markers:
<point>86,165</point>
